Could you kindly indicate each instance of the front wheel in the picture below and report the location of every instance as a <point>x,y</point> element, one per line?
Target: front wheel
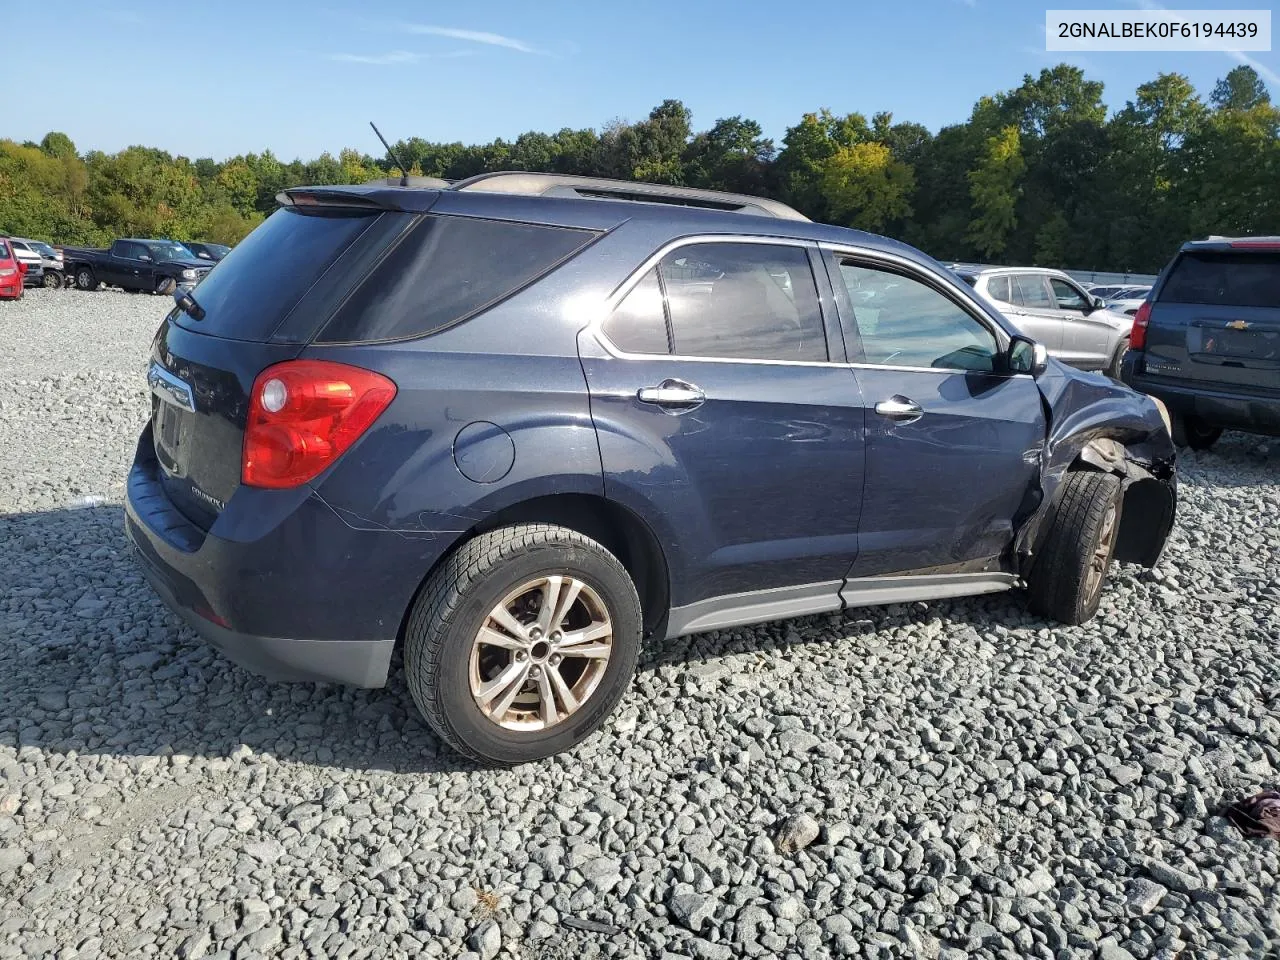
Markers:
<point>52,281</point>
<point>521,645</point>
<point>1117,361</point>
<point>1066,579</point>
<point>85,280</point>
<point>165,285</point>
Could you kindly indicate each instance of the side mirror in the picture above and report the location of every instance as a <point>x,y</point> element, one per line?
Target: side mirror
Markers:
<point>1094,303</point>
<point>1026,356</point>
<point>145,258</point>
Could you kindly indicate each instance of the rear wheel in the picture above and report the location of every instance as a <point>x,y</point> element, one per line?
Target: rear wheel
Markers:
<point>85,279</point>
<point>1194,433</point>
<point>1113,371</point>
<point>1067,577</point>
<point>522,643</point>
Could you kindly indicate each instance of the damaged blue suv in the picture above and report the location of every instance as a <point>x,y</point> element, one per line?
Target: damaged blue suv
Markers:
<point>520,423</point>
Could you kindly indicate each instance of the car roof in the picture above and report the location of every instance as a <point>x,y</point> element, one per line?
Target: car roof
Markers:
<point>662,210</point>
<point>1270,242</point>
<point>984,269</point>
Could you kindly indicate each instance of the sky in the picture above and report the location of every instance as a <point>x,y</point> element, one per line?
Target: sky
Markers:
<point>220,78</point>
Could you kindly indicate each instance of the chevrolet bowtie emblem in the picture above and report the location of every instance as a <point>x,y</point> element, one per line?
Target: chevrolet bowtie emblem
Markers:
<point>1238,325</point>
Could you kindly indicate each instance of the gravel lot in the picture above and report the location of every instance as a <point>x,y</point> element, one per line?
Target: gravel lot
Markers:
<point>963,779</point>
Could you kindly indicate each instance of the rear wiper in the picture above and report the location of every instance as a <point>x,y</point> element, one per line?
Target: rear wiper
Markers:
<point>187,304</point>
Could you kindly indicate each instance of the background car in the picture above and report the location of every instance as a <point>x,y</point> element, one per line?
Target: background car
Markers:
<point>34,275</point>
<point>50,260</point>
<point>1053,309</point>
<point>12,272</point>
<point>1207,341</point>
<point>207,251</point>
<point>1128,300</point>
<point>145,266</point>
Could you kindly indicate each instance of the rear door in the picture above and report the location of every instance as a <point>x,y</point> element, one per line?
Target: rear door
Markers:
<point>1086,336</point>
<point>952,446</point>
<point>1036,314</point>
<point>295,265</point>
<point>1216,319</point>
<point>122,264</point>
<point>727,420</point>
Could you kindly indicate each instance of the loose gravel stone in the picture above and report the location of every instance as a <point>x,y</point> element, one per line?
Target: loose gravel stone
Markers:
<point>989,785</point>
<point>796,833</point>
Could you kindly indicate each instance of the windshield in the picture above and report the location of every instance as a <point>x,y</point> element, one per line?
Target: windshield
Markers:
<point>167,250</point>
<point>217,249</point>
<point>45,249</point>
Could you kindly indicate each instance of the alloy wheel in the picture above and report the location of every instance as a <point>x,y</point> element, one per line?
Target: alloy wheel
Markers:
<point>540,653</point>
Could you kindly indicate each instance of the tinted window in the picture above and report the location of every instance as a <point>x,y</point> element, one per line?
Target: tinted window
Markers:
<point>447,269</point>
<point>747,301</point>
<point>903,322</point>
<point>1227,279</point>
<point>261,280</point>
<point>1067,296</point>
<point>4,249</point>
<point>1032,291</point>
<point>998,287</point>
<point>638,324</point>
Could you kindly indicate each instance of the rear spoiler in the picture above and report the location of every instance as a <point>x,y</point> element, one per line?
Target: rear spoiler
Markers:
<point>334,198</point>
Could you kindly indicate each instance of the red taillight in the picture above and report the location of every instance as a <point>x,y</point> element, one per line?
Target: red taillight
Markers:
<point>1138,335</point>
<point>303,415</point>
<point>1255,245</point>
<point>22,267</point>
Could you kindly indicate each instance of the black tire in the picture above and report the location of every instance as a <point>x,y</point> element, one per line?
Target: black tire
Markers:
<point>1113,371</point>
<point>1194,433</point>
<point>166,285</point>
<point>1060,586</point>
<point>456,600</point>
<point>52,281</point>
<point>85,279</point>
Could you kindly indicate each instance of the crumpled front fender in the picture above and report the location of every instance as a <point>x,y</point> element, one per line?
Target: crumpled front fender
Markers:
<point>1096,423</point>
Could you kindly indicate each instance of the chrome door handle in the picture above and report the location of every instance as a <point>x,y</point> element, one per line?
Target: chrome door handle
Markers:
<point>900,409</point>
<point>674,395</point>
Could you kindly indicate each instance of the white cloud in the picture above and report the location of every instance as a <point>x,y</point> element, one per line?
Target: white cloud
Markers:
<point>472,36</point>
<point>378,59</point>
<point>1263,70</point>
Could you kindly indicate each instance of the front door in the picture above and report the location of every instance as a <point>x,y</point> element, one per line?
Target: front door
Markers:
<point>726,421</point>
<point>1086,337</point>
<point>953,444</point>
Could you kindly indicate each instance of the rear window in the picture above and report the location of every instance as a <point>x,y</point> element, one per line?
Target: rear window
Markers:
<point>448,268</point>
<point>256,285</point>
<point>1225,279</point>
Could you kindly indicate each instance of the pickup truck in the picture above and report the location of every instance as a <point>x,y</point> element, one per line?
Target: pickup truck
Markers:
<point>150,266</point>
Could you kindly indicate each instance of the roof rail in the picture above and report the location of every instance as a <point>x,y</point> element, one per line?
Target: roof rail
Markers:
<point>598,188</point>
<point>422,183</point>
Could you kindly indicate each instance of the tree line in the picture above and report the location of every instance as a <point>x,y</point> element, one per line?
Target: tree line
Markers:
<point>1037,175</point>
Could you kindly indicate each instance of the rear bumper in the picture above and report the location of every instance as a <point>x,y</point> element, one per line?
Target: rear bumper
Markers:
<point>360,663</point>
<point>1211,403</point>
<point>280,584</point>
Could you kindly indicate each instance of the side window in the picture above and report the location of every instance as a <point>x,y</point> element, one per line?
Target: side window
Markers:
<point>998,287</point>
<point>903,322</point>
<point>1067,296</point>
<point>638,323</point>
<point>1034,293</point>
<point>749,301</point>
<point>447,269</point>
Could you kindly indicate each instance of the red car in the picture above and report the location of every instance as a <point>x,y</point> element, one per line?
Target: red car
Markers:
<point>12,271</point>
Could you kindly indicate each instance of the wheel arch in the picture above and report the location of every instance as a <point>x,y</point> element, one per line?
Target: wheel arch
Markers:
<point>617,528</point>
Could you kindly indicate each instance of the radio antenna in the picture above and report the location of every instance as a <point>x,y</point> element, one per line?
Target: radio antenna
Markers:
<point>404,171</point>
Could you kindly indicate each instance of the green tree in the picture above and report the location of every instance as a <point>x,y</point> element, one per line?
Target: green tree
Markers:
<point>994,188</point>
<point>866,187</point>
<point>1241,89</point>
